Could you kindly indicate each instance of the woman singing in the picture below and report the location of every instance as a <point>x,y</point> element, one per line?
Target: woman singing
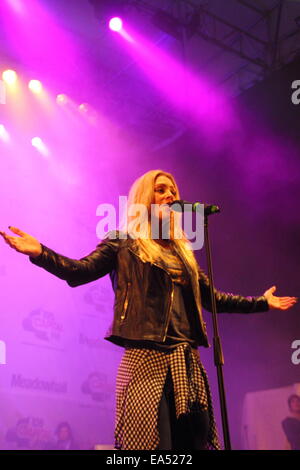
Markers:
<point>163,399</point>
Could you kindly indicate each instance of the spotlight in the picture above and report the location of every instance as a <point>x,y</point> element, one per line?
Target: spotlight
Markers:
<point>83,107</point>
<point>116,24</point>
<point>9,76</point>
<point>4,135</point>
<point>61,99</point>
<point>36,141</point>
<point>35,86</point>
<point>39,145</point>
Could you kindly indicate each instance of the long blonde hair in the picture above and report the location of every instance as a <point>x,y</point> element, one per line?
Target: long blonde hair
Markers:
<point>142,192</point>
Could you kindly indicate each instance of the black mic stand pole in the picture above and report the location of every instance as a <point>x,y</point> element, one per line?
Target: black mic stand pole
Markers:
<point>218,353</point>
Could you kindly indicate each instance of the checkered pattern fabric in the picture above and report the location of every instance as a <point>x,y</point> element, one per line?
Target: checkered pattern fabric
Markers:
<point>140,382</point>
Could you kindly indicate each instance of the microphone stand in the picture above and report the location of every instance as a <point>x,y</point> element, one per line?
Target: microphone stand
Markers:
<point>179,205</point>
<point>218,353</point>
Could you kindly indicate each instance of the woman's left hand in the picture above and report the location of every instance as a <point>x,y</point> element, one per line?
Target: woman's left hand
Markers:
<point>281,303</point>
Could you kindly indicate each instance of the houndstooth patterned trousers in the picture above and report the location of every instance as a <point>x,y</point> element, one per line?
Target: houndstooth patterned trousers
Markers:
<point>140,382</point>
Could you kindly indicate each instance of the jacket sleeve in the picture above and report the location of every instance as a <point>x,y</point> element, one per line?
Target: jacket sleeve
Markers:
<point>98,263</point>
<point>229,303</point>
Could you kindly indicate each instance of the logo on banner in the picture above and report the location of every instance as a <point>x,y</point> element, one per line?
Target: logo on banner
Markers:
<point>2,352</point>
<point>296,94</point>
<point>296,354</point>
<point>28,433</point>
<point>97,387</point>
<point>28,383</point>
<point>44,325</point>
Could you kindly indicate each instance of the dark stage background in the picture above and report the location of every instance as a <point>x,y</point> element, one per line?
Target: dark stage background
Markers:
<point>254,177</point>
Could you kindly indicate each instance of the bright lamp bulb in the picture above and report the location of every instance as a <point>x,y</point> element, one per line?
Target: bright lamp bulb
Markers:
<point>9,76</point>
<point>35,86</point>
<point>116,24</point>
<point>36,142</point>
<point>61,98</point>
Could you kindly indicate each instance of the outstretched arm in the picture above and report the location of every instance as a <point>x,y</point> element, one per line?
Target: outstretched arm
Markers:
<point>281,303</point>
<point>24,243</point>
<point>238,304</point>
<point>98,263</point>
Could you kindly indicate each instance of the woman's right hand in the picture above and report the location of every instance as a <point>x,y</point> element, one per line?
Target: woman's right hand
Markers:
<point>25,243</point>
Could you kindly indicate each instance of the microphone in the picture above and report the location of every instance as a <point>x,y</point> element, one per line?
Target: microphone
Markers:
<point>186,206</point>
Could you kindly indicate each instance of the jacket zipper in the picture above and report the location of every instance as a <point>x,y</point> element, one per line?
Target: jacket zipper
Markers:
<point>202,323</point>
<point>123,316</point>
<point>172,295</point>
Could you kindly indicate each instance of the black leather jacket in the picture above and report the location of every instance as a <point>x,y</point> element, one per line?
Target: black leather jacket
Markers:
<point>143,291</point>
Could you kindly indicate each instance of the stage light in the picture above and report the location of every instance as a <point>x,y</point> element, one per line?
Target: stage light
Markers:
<point>61,99</point>
<point>116,24</point>
<point>83,107</point>
<point>35,86</point>
<point>4,135</point>
<point>36,141</point>
<point>9,76</point>
<point>39,145</point>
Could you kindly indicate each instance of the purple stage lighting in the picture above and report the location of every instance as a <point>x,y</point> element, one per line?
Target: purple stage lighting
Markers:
<point>9,76</point>
<point>35,86</point>
<point>115,24</point>
<point>40,146</point>
<point>4,135</point>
